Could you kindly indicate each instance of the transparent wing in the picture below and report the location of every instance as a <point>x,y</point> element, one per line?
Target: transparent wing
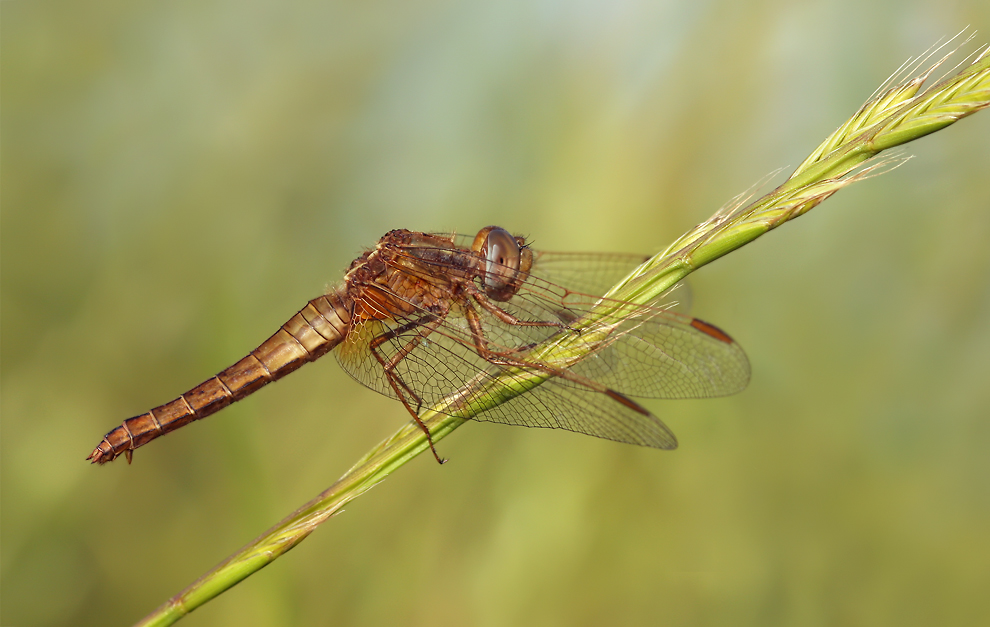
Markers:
<point>591,273</point>
<point>669,356</point>
<point>443,371</point>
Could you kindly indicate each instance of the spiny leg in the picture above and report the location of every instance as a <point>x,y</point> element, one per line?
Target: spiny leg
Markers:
<point>389,366</point>
<point>478,334</point>
<point>398,385</point>
<point>506,359</point>
<point>503,315</point>
<point>499,358</point>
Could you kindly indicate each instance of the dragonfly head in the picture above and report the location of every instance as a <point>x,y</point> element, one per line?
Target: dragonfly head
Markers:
<point>506,262</point>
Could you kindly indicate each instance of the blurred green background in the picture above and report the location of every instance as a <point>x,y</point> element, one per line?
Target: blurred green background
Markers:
<point>180,177</point>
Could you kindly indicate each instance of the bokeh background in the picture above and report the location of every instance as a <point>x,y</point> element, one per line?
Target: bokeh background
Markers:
<point>179,177</point>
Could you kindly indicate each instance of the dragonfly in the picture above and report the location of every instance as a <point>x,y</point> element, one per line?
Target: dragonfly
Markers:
<point>434,320</point>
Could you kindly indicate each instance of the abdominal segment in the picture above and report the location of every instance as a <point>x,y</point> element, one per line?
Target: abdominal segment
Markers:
<point>308,335</point>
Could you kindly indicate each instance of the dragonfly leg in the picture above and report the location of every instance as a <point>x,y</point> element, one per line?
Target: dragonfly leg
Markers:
<point>503,358</point>
<point>389,366</point>
<point>503,315</point>
<point>506,359</point>
<point>426,326</point>
<point>499,358</point>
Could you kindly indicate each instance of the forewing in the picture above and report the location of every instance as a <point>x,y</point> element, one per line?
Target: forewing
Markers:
<point>591,273</point>
<point>652,352</point>
<point>667,355</point>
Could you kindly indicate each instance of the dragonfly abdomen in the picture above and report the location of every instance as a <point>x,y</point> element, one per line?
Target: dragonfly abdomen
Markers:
<point>308,335</point>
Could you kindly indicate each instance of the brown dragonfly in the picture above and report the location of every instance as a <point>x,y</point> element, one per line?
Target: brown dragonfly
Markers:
<point>427,318</point>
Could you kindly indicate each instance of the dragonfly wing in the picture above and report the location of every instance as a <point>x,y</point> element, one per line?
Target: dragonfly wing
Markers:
<point>651,352</point>
<point>556,404</point>
<point>591,273</point>
<point>654,353</point>
<point>597,273</point>
<point>668,355</point>
<point>445,372</point>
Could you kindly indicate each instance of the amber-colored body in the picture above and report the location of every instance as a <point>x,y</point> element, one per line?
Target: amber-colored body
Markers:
<point>309,334</point>
<point>422,317</point>
<point>394,279</point>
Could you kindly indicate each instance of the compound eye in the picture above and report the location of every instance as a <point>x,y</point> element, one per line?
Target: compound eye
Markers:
<point>502,256</point>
